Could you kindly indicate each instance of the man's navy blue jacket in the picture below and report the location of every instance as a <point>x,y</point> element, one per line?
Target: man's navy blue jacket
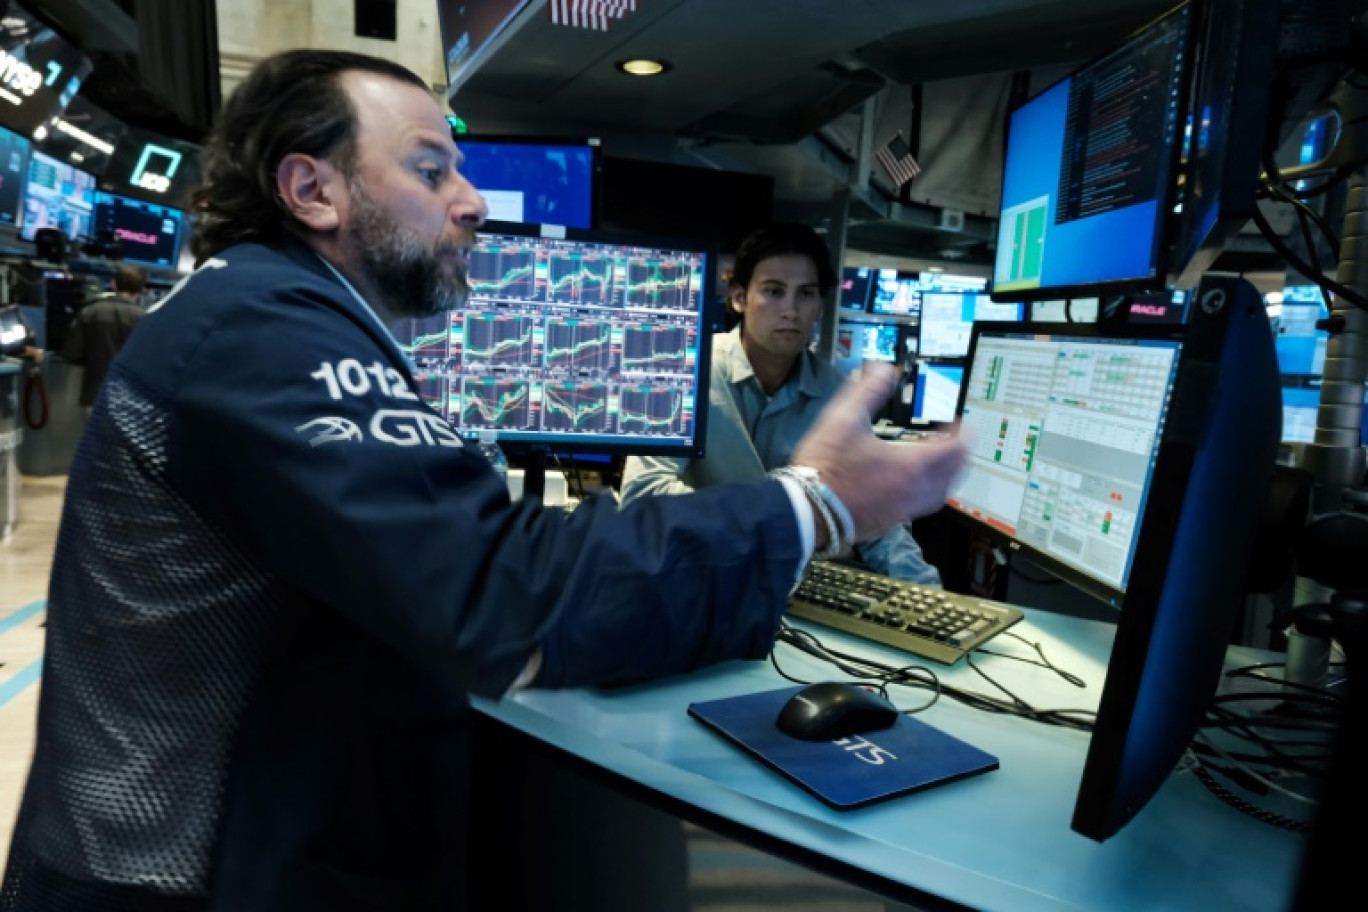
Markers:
<point>279,574</point>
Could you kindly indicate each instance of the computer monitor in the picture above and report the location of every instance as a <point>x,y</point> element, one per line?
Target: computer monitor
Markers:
<point>1299,344</point>
<point>1125,461</point>
<point>541,181</point>
<point>574,341</point>
<point>1263,65</point>
<point>148,234</point>
<point>938,390</point>
<point>1075,310</point>
<point>951,283</point>
<point>886,287</point>
<point>1091,160</point>
<point>874,342</point>
<point>900,297</point>
<point>857,284</point>
<point>470,30</point>
<point>57,195</point>
<point>947,318</point>
<point>14,161</point>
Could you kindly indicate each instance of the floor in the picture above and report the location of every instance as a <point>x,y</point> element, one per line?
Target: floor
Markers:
<point>723,876</point>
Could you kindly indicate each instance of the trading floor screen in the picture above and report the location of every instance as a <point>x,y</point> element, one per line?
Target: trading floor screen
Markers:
<point>569,342</point>
<point>1063,434</point>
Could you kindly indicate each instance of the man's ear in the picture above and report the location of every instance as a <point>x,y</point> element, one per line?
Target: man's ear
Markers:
<point>736,298</point>
<point>309,189</point>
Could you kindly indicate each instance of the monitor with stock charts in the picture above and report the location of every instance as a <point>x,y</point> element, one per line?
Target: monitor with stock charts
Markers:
<point>574,341</point>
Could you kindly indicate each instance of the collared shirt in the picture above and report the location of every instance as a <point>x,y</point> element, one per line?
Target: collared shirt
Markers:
<point>750,433</point>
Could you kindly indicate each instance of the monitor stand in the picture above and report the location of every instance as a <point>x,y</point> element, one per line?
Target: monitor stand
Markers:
<point>534,474</point>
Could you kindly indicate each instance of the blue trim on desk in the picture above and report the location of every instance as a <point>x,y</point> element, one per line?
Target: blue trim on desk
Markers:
<point>21,681</point>
<point>23,614</point>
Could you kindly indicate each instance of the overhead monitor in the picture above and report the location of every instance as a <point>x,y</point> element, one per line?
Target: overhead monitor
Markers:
<point>85,135</point>
<point>951,283</point>
<point>580,341</point>
<point>59,196</point>
<point>938,389</point>
<point>1090,161</point>
<point>1113,457</point>
<point>946,320</point>
<point>1262,66</point>
<point>1300,344</point>
<point>541,181</point>
<point>147,233</point>
<point>900,297</point>
<point>40,73</point>
<point>14,161</point>
<point>857,284</point>
<point>470,30</point>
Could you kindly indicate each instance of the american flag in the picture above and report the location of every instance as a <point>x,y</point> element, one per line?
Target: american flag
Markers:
<point>897,160</point>
<point>589,14</point>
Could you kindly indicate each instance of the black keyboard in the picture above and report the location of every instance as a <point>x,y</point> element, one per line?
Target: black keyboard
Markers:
<point>923,620</point>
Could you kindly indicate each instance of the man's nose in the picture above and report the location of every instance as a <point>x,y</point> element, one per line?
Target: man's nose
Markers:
<point>469,208</point>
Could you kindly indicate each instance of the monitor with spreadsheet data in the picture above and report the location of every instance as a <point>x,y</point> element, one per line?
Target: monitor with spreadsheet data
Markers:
<point>574,341</point>
<point>1114,456</point>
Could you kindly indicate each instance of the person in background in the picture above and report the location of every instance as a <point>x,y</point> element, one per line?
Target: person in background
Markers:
<point>767,386</point>
<point>279,574</point>
<point>100,329</point>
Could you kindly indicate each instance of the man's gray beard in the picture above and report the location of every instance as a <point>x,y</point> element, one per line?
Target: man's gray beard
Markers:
<point>406,275</point>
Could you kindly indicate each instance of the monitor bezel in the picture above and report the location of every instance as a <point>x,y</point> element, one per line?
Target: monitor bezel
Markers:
<point>556,444</point>
<point>181,228</point>
<point>1167,226</point>
<point>1170,474</point>
<point>593,143</point>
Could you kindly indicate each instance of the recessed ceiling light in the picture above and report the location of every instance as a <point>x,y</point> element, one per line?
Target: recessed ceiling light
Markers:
<point>641,66</point>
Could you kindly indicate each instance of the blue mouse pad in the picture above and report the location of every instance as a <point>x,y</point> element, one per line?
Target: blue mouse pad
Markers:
<point>850,772</point>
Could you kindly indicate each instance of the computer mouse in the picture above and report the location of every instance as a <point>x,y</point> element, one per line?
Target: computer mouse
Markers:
<point>831,710</point>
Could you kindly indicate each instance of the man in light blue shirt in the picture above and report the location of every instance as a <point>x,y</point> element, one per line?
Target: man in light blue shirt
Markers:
<point>767,386</point>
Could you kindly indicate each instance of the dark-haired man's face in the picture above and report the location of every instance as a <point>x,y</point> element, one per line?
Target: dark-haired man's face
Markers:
<point>410,216</point>
<point>415,278</point>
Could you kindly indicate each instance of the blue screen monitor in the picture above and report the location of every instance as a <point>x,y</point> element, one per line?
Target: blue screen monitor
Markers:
<point>938,389</point>
<point>578,341</point>
<point>1300,345</point>
<point>148,233</point>
<point>14,162</point>
<point>543,182</point>
<point>1301,406</point>
<point>875,341</point>
<point>1090,161</point>
<point>57,196</point>
<point>857,284</point>
<point>947,319</point>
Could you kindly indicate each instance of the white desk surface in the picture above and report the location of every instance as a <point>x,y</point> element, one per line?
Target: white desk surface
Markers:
<point>997,841</point>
